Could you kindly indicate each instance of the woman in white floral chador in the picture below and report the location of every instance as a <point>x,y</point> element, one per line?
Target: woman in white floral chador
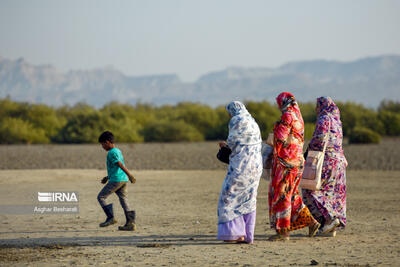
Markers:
<point>237,201</point>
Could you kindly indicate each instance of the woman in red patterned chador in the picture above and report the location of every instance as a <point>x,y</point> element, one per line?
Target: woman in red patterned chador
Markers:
<point>286,209</point>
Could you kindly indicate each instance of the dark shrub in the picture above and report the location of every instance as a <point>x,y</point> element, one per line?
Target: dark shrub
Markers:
<point>265,115</point>
<point>361,135</point>
<point>309,129</point>
<point>308,112</point>
<point>204,118</point>
<point>390,105</point>
<point>171,131</point>
<point>391,122</point>
<point>18,131</point>
<point>355,115</point>
<point>83,128</point>
<point>220,131</point>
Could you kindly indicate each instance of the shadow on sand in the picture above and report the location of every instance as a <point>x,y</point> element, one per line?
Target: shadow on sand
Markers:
<point>134,240</point>
<point>104,241</point>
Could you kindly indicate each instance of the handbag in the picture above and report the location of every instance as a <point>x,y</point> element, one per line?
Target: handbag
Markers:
<point>223,154</point>
<point>311,179</point>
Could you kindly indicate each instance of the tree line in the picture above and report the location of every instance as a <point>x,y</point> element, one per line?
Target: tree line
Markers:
<point>25,123</point>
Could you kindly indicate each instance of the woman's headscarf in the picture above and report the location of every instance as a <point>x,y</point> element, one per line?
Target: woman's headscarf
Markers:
<point>285,101</point>
<point>243,129</point>
<point>291,121</point>
<point>326,106</point>
<point>235,108</point>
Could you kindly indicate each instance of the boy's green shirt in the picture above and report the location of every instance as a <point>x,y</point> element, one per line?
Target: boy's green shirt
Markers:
<point>114,172</point>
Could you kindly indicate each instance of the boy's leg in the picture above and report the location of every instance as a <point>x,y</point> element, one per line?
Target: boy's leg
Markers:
<point>130,215</point>
<point>107,190</point>
<point>122,193</point>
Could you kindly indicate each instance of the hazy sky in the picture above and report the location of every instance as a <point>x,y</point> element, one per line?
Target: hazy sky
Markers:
<point>191,38</point>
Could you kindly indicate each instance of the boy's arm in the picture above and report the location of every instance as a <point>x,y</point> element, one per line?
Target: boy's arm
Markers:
<point>130,176</point>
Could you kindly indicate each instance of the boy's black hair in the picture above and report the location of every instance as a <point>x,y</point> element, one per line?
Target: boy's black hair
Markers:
<point>106,136</point>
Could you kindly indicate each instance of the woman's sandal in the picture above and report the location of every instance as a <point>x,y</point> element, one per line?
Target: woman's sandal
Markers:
<point>279,237</point>
<point>312,230</point>
<point>330,227</point>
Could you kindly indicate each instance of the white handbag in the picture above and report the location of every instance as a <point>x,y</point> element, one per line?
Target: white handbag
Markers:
<point>311,178</point>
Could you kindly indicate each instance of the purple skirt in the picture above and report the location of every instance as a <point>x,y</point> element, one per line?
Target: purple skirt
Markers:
<point>242,226</point>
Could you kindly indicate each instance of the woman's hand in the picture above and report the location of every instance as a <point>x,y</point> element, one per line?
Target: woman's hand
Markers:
<point>222,144</point>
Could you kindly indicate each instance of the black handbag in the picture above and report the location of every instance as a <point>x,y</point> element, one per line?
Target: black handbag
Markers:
<point>223,154</point>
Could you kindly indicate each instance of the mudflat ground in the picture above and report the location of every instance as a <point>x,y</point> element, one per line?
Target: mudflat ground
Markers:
<point>177,222</point>
<point>171,156</point>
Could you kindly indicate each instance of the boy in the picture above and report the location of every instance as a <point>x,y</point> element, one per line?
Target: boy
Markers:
<point>117,177</point>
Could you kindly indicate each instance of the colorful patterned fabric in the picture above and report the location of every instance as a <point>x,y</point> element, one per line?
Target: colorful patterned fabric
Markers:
<point>304,219</point>
<point>239,189</point>
<point>330,201</point>
<point>285,203</point>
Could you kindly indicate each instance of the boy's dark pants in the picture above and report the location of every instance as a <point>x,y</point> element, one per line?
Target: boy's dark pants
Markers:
<point>119,188</point>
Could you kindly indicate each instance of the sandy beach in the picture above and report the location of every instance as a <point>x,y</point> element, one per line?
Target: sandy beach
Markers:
<point>177,224</point>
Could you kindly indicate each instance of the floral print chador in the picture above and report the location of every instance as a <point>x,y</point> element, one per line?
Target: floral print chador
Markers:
<point>239,189</point>
<point>330,201</point>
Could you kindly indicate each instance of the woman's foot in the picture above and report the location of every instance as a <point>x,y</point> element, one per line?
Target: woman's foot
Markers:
<point>279,237</point>
<point>239,240</point>
<point>330,226</point>
<point>313,229</point>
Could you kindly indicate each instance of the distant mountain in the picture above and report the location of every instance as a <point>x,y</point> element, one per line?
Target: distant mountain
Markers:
<point>367,81</point>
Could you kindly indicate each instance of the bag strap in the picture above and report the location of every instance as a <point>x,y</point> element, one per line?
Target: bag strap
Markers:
<point>327,136</point>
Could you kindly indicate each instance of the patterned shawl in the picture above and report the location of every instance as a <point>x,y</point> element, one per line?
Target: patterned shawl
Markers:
<point>243,129</point>
<point>289,132</point>
<point>239,189</point>
<point>287,102</point>
<point>326,106</point>
<point>328,121</point>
